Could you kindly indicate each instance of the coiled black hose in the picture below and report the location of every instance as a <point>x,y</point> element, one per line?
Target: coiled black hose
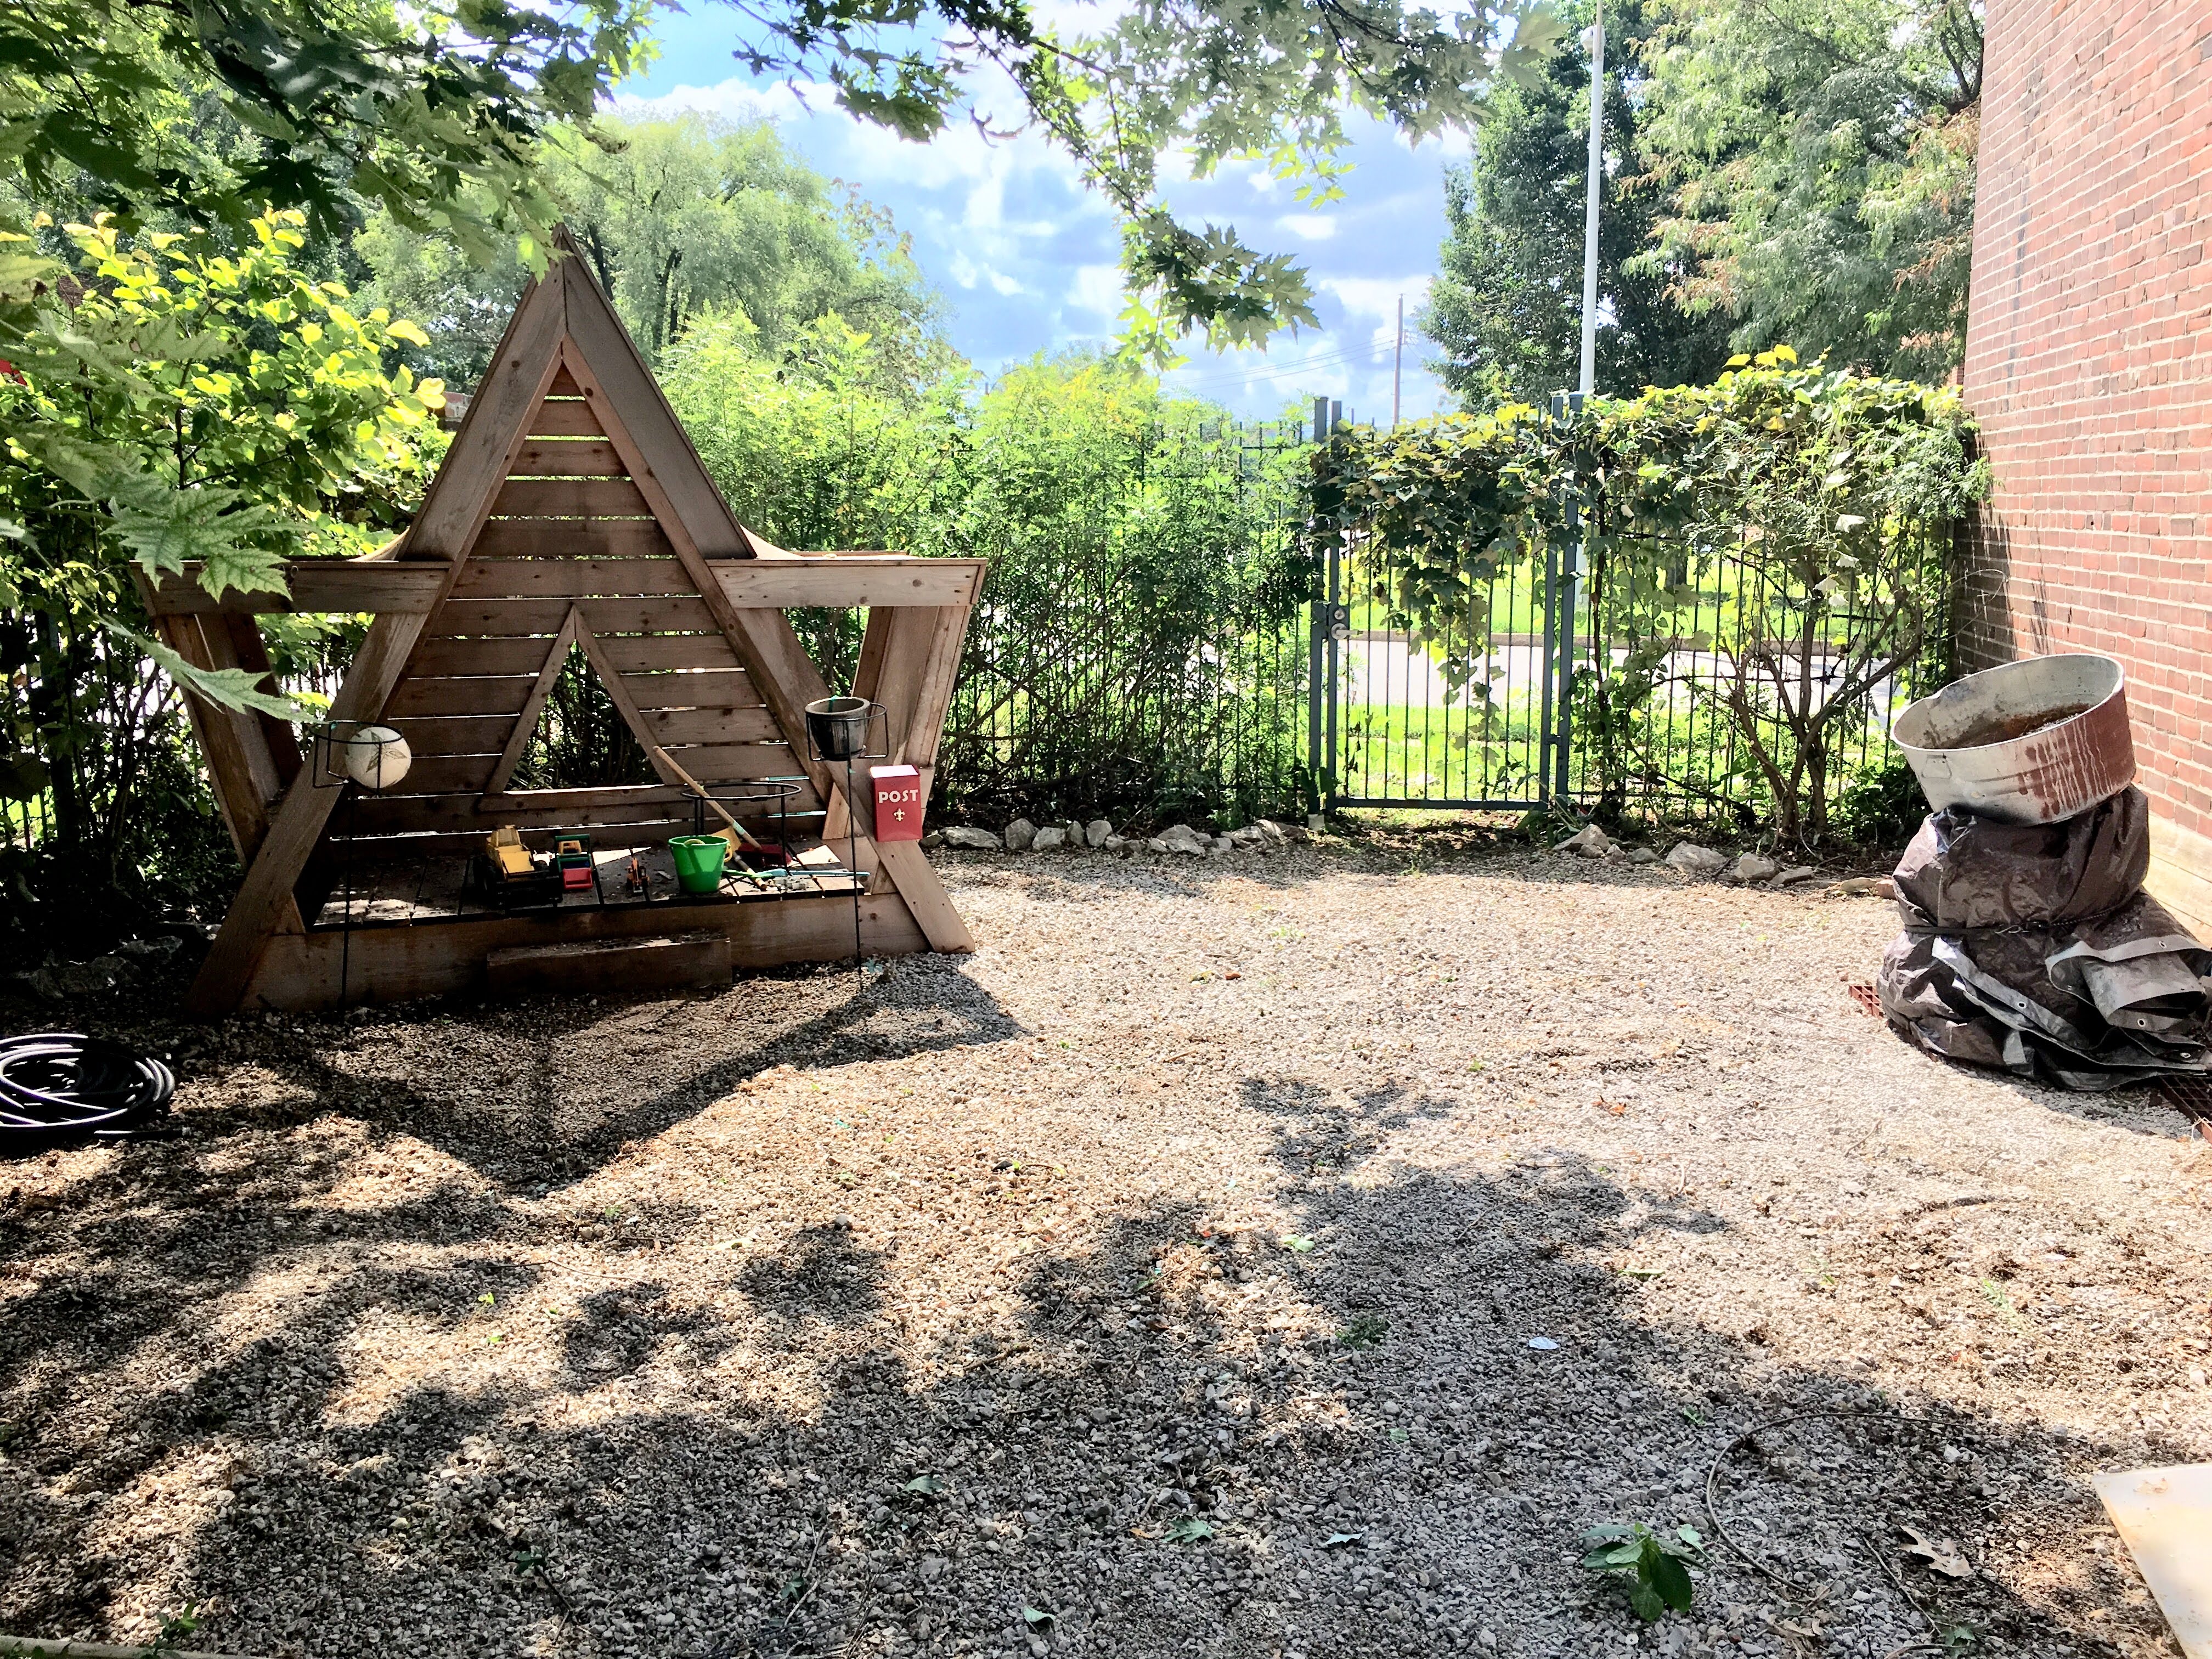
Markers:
<point>57,1086</point>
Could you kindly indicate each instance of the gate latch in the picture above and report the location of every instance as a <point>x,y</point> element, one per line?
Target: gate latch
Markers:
<point>1340,623</point>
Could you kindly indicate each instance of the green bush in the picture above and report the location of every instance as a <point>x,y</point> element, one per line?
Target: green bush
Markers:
<point>1790,525</point>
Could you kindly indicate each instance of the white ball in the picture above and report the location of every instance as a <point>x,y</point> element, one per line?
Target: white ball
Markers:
<point>376,756</point>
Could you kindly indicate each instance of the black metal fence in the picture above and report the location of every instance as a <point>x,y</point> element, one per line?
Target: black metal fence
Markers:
<point>1167,642</point>
<point>1147,653</point>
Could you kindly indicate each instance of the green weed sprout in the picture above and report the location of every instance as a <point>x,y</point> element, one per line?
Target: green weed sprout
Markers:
<point>1653,1560</point>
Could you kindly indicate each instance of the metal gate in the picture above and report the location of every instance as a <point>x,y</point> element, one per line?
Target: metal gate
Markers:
<point>1389,730</point>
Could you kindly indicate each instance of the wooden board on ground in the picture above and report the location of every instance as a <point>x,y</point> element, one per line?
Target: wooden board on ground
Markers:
<point>614,967</point>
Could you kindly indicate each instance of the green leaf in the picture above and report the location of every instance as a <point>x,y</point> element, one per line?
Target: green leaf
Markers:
<point>1646,1601</point>
<point>1190,1529</point>
<point>925,1486</point>
<point>1672,1580</point>
<point>232,688</point>
<point>1037,1618</point>
<point>1297,1244</point>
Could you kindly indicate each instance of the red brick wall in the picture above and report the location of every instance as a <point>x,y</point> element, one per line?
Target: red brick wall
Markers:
<point>2090,365</point>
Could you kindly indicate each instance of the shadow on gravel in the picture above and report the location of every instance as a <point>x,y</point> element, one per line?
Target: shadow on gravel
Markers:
<point>1164,1436</point>
<point>571,1081</point>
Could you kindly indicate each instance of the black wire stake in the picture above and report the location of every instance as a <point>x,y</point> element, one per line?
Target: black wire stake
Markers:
<point>852,864</point>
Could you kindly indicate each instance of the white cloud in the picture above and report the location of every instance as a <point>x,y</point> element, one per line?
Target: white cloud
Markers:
<point>1306,226</point>
<point>1097,290</point>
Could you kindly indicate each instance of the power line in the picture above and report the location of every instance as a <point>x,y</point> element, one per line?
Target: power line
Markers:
<point>1361,355</point>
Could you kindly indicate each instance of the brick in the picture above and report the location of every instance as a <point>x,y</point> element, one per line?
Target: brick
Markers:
<point>2088,363</point>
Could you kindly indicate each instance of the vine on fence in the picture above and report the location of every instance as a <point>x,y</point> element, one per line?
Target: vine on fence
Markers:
<point>1823,501</point>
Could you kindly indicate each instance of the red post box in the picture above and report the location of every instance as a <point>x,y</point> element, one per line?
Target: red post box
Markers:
<point>898,803</point>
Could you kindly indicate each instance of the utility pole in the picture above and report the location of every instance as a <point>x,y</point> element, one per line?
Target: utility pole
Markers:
<point>1398,363</point>
<point>1596,39</point>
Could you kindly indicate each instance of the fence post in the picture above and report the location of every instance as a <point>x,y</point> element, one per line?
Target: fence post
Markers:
<point>1570,577</point>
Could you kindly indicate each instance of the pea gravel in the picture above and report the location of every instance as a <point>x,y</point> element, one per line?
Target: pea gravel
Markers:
<point>1166,1277</point>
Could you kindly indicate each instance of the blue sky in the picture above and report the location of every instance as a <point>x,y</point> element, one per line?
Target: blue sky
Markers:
<point>1025,257</point>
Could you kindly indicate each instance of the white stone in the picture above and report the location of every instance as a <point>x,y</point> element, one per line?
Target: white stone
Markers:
<point>977,841</point>
<point>1753,866</point>
<point>1020,833</point>
<point>1791,876</point>
<point>1693,860</point>
<point>1590,841</point>
<point>1641,855</point>
<point>1099,832</point>
<point>1048,839</point>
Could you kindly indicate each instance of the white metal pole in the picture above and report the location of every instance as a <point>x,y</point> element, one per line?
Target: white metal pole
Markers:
<point>1590,203</point>
<point>1398,363</point>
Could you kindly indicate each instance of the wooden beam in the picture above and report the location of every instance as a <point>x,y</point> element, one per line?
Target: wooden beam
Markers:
<point>910,673</point>
<point>316,584</point>
<point>525,723</point>
<point>223,743</point>
<point>433,958</point>
<point>851,579</point>
<point>297,825</point>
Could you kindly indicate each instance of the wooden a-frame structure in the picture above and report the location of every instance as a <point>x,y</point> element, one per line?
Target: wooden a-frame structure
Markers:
<point>571,511</point>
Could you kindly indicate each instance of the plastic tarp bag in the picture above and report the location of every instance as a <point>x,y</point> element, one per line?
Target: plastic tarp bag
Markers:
<point>2033,949</point>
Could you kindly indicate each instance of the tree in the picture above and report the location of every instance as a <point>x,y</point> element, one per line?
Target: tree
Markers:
<point>429,112</point>
<point>681,219</point>
<point>434,113</point>
<point>199,402</point>
<point>1506,305</point>
<point>1819,156</point>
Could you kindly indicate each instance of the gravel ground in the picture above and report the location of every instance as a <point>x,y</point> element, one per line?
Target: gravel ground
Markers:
<point>1164,1279</point>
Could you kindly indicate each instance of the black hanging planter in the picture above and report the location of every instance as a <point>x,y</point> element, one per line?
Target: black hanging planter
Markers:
<point>837,727</point>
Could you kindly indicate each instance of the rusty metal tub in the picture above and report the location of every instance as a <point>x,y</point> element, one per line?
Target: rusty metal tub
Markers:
<point>2030,742</point>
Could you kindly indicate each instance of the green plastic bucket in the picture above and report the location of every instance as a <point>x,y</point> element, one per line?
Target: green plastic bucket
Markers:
<point>699,862</point>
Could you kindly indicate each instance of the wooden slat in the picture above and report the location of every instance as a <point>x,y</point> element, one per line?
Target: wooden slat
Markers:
<point>564,385</point>
<point>556,578</point>
<point>479,814</point>
<point>670,726</point>
<point>636,653</point>
<point>397,815</point>
<point>568,417</point>
<point>463,837</point>
<point>610,967</point>
<point>315,584</point>
<point>423,696</point>
<point>456,734</point>
<point>556,458</point>
<point>569,498</point>
<point>441,659</point>
<point>728,690</point>
<point>451,774</point>
<point>387,964</point>
<point>851,581</point>
<point>510,617</point>
<point>714,763</point>
<point>572,538</point>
